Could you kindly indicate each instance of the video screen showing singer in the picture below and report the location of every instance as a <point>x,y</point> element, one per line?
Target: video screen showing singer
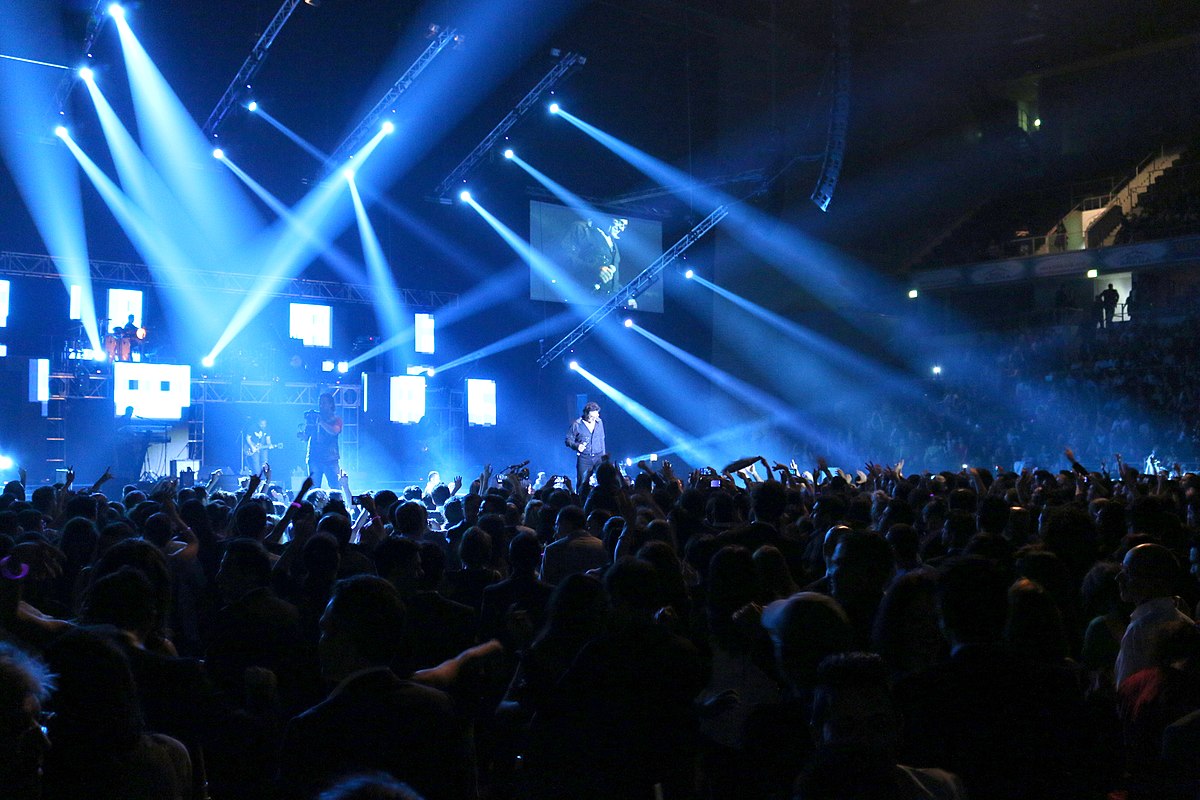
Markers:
<point>594,254</point>
<point>322,429</point>
<point>586,438</point>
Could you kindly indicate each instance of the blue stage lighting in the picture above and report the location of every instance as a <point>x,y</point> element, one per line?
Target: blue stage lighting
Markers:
<point>937,370</point>
<point>574,365</point>
<point>218,154</point>
<point>628,323</point>
<point>61,132</point>
<point>207,361</point>
<point>388,127</point>
<point>348,174</point>
<point>689,274</point>
<point>6,462</point>
<point>509,153</point>
<point>116,11</point>
<point>327,366</point>
<point>554,109</point>
<point>343,367</point>
<point>252,107</point>
<point>465,196</point>
<point>86,73</point>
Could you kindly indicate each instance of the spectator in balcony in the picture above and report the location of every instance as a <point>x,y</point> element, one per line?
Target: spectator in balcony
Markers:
<point>1109,299</point>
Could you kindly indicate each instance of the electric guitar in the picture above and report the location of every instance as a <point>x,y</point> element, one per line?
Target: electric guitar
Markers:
<point>252,449</point>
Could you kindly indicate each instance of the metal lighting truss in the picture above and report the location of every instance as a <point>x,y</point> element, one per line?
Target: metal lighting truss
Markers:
<point>370,123</point>
<point>43,266</point>
<point>67,84</point>
<point>569,63</point>
<point>636,286</point>
<point>241,81</point>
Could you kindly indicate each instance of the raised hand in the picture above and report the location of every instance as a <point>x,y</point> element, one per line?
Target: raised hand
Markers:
<point>24,476</point>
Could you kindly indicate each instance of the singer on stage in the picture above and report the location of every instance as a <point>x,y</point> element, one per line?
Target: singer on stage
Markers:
<point>322,429</point>
<point>586,438</point>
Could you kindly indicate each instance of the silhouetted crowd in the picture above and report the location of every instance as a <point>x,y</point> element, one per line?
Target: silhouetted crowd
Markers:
<point>1013,400</point>
<point>758,631</point>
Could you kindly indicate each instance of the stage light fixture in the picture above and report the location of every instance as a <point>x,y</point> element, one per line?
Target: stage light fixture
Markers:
<point>465,196</point>
<point>937,370</point>
<point>86,73</point>
<point>327,366</point>
<point>1093,273</point>
<point>509,154</point>
<point>116,11</point>
<point>207,361</point>
<point>218,154</point>
<point>689,274</point>
<point>554,108</point>
<point>252,107</point>
<point>574,365</point>
<point>6,462</point>
<point>343,367</point>
<point>628,323</point>
<point>388,127</point>
<point>913,294</point>
<point>61,132</point>
<point>348,174</point>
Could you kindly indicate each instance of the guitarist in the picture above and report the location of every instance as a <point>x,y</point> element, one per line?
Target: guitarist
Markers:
<point>258,447</point>
<point>322,429</point>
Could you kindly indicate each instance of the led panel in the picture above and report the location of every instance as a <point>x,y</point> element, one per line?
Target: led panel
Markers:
<point>311,324</point>
<point>122,303</point>
<point>481,402</point>
<point>408,399</point>
<point>155,391</point>
<point>4,288</point>
<point>423,333</point>
<point>39,380</point>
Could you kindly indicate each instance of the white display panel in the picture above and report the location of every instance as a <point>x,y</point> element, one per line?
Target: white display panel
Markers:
<point>154,391</point>
<point>408,399</point>
<point>423,333</point>
<point>311,324</point>
<point>122,303</point>
<point>481,402</point>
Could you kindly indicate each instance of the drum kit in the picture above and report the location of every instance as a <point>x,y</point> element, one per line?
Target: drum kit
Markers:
<point>121,344</point>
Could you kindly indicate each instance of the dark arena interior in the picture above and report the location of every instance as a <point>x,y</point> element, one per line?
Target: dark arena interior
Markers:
<point>647,399</point>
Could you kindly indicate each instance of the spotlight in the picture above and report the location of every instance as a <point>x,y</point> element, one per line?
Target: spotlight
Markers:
<point>629,462</point>
<point>327,366</point>
<point>218,154</point>
<point>207,361</point>
<point>431,372</point>
<point>348,174</point>
<point>689,274</point>
<point>912,294</point>
<point>61,132</point>
<point>86,73</point>
<point>1037,122</point>
<point>628,323</point>
<point>509,153</point>
<point>252,107</point>
<point>343,367</point>
<point>574,365</point>
<point>116,11</point>
<point>6,462</point>
<point>937,370</point>
<point>388,127</point>
<point>465,196</point>
<point>554,109</point>
<point>1093,273</point>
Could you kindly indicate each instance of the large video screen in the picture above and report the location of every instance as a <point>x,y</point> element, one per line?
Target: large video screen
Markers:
<point>585,258</point>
